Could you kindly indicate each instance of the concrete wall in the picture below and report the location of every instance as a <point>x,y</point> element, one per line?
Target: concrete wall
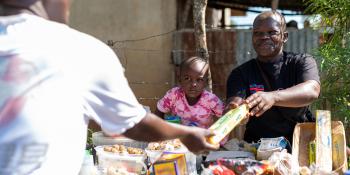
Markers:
<point>147,62</point>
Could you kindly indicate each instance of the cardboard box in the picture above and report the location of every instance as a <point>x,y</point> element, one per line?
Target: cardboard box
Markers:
<point>304,133</point>
<point>170,164</point>
<point>165,168</point>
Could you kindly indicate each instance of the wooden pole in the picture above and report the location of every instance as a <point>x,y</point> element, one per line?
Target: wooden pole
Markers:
<point>274,5</point>
<point>199,7</point>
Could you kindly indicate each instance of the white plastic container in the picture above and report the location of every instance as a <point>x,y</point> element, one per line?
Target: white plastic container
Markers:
<point>133,163</point>
<point>98,139</point>
<point>88,167</point>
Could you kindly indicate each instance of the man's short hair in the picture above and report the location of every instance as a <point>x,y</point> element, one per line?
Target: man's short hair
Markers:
<point>274,14</point>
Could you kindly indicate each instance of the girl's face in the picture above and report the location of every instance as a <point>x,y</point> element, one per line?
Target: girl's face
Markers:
<point>193,79</point>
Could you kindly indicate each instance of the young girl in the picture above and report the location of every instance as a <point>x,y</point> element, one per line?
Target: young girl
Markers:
<point>190,101</point>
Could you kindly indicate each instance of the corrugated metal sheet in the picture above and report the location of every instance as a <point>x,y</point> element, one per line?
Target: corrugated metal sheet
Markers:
<point>295,5</point>
<point>299,41</point>
<point>245,50</point>
<point>302,41</point>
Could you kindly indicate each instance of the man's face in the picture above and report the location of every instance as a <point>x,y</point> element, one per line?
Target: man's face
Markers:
<point>268,38</point>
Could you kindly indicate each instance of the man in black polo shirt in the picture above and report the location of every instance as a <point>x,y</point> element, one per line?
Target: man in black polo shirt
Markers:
<point>278,86</point>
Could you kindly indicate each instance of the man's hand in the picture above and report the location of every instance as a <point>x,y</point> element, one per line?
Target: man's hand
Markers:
<point>151,128</point>
<point>196,140</point>
<point>260,102</point>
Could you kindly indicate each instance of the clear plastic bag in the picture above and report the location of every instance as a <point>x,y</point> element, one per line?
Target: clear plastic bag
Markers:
<point>270,145</point>
<point>284,164</point>
<point>244,166</point>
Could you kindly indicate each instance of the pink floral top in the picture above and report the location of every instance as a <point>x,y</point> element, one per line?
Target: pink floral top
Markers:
<point>201,114</point>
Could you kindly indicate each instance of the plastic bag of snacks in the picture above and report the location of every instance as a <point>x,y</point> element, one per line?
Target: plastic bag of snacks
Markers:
<point>283,163</point>
<point>218,170</point>
<point>270,145</point>
<point>155,149</point>
<point>244,166</point>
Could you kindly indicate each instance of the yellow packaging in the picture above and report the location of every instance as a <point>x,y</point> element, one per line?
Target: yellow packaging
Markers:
<point>227,123</point>
<point>170,163</point>
<point>166,168</point>
<point>312,152</point>
<point>338,147</point>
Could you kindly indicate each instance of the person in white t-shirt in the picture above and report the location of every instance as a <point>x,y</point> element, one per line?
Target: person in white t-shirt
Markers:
<point>53,79</point>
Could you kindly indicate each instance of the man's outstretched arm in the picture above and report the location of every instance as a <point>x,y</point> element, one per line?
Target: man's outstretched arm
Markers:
<point>299,95</point>
<point>152,128</point>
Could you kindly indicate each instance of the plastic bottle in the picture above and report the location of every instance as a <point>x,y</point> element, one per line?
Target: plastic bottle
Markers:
<point>88,167</point>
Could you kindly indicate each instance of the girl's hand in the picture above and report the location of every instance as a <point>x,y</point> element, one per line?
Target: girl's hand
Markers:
<point>233,103</point>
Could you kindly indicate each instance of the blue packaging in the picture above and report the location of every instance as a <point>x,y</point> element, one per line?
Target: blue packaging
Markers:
<point>173,119</point>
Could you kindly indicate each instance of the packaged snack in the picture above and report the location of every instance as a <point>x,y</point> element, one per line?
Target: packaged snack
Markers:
<point>220,170</point>
<point>173,119</point>
<point>226,123</point>
<point>121,149</point>
<point>270,145</point>
<point>312,152</point>
<point>167,145</point>
<point>170,164</point>
<point>245,166</point>
<point>283,163</point>
<point>323,140</point>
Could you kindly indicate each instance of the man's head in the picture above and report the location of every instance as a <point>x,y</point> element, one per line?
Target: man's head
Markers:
<point>269,35</point>
<point>56,10</point>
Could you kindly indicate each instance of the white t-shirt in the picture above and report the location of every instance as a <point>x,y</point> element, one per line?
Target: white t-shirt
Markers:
<point>52,80</point>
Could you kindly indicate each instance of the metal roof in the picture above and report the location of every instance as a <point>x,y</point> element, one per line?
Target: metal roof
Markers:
<point>294,5</point>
